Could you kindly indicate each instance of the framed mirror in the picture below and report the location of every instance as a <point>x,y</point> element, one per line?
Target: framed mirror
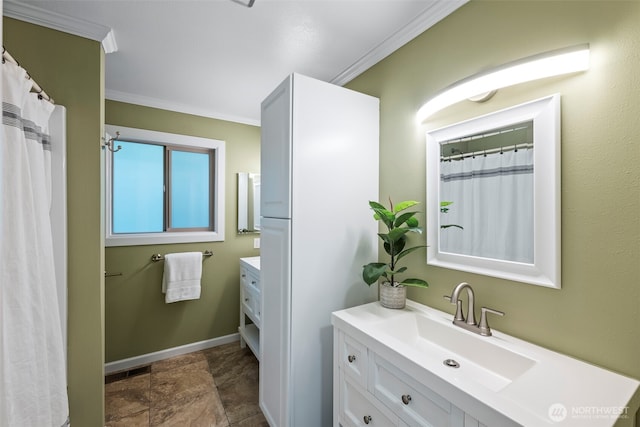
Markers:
<point>248,202</point>
<point>493,194</point>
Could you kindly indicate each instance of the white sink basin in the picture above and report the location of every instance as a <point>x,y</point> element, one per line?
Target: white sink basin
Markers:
<point>480,358</point>
<point>517,379</point>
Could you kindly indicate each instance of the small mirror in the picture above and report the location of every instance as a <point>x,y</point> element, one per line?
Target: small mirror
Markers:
<point>493,196</point>
<point>248,202</point>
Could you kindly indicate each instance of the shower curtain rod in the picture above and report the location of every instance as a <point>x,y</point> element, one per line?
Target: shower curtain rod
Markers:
<point>6,56</point>
<point>500,150</point>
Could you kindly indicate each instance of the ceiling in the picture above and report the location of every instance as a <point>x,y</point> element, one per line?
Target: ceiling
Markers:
<point>220,58</point>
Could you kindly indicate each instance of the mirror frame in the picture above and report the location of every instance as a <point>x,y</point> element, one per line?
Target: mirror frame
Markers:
<point>243,227</point>
<point>545,270</point>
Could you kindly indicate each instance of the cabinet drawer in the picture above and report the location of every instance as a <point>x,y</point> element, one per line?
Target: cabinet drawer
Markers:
<point>353,359</point>
<point>254,281</point>
<point>244,275</point>
<point>416,404</point>
<point>257,310</point>
<point>248,277</point>
<point>358,408</point>
<point>249,301</point>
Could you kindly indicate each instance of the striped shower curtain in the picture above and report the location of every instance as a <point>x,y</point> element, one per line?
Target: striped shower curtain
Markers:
<point>492,200</point>
<point>32,362</point>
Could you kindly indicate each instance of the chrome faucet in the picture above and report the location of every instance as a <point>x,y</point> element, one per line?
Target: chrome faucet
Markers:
<point>470,323</point>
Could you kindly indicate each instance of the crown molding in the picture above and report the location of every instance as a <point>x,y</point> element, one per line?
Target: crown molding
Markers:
<point>422,22</point>
<point>67,24</point>
<point>146,101</point>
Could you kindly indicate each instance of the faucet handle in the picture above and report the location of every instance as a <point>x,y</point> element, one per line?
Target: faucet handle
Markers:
<point>458,315</point>
<point>485,330</point>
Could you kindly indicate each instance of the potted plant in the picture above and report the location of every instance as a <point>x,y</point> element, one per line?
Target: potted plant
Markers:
<point>399,223</point>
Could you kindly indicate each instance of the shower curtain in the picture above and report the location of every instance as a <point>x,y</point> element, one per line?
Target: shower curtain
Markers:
<point>492,200</point>
<point>33,388</point>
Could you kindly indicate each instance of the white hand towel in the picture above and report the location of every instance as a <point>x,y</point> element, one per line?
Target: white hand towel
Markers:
<point>181,278</point>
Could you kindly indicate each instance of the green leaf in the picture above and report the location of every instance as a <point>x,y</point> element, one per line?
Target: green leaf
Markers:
<point>405,217</point>
<point>408,251</point>
<point>376,205</point>
<point>419,283</point>
<point>415,230</point>
<point>373,271</point>
<point>380,213</point>
<point>452,225</point>
<point>398,246</point>
<point>400,270</point>
<point>404,205</point>
<point>397,234</point>
<point>384,237</point>
<point>412,222</point>
<point>443,204</point>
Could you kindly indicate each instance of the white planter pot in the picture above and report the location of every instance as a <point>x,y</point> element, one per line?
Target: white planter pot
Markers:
<point>392,296</point>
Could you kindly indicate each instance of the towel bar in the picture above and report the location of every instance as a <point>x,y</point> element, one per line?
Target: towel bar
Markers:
<point>160,257</point>
<point>106,274</point>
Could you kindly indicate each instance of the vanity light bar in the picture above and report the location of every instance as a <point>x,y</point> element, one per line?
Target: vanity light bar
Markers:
<point>553,63</point>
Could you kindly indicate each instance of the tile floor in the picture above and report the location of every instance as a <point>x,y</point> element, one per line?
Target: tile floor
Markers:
<point>217,387</point>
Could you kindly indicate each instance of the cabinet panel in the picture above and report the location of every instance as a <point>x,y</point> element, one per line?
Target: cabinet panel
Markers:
<point>256,305</point>
<point>275,153</point>
<point>275,280</point>
<point>353,358</point>
<point>416,404</point>
<point>359,409</point>
<point>247,301</point>
<point>253,281</point>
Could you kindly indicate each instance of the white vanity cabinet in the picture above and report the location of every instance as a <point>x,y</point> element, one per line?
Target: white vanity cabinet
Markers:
<point>371,391</point>
<point>250,302</point>
<point>414,367</point>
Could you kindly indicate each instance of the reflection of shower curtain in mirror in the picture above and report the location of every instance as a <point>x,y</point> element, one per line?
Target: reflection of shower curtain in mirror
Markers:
<point>32,361</point>
<point>492,199</point>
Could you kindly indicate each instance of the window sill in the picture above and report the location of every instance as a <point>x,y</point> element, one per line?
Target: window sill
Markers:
<point>162,238</point>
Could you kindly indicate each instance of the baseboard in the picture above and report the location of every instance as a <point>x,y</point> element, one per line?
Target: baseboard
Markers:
<point>145,359</point>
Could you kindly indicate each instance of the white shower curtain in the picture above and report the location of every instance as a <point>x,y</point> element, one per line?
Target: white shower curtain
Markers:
<point>33,388</point>
<point>492,200</point>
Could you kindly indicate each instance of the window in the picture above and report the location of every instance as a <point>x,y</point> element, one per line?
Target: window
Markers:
<point>164,188</point>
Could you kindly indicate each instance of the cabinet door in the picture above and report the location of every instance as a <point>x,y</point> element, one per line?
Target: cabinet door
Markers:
<point>257,306</point>
<point>416,404</point>
<point>248,301</point>
<point>353,359</point>
<point>359,409</point>
<point>275,282</point>
<point>275,153</point>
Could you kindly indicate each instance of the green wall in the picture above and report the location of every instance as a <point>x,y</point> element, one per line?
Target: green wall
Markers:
<point>137,320</point>
<point>596,315</point>
<point>593,317</point>
<point>70,69</point>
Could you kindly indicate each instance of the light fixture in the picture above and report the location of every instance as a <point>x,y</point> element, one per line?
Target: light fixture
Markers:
<point>548,64</point>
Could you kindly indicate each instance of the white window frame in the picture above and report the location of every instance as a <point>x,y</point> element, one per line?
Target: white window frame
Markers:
<point>149,136</point>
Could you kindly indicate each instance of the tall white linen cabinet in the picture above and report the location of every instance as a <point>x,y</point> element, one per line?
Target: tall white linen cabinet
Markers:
<point>319,167</point>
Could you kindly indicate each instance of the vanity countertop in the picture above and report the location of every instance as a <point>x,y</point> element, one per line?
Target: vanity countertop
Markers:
<point>529,384</point>
<point>253,261</point>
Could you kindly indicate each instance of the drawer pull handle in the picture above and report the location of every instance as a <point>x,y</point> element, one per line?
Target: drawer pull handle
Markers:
<point>406,398</point>
<point>253,282</point>
<point>351,358</point>
<point>367,419</point>
<point>246,299</point>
